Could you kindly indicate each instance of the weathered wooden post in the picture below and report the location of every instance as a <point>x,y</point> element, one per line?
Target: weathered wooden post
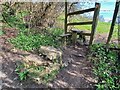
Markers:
<point>119,33</point>
<point>65,27</point>
<point>64,41</point>
<point>113,21</point>
<point>74,37</point>
<point>119,40</point>
<point>95,21</point>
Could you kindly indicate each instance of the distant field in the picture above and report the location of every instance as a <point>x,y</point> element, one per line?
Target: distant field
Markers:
<point>102,27</point>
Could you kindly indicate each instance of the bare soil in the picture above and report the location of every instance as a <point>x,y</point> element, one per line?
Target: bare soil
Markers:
<point>77,73</point>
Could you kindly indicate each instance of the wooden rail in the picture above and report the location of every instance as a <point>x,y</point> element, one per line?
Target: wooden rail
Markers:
<point>80,23</point>
<point>96,10</point>
<point>81,11</point>
<point>86,34</point>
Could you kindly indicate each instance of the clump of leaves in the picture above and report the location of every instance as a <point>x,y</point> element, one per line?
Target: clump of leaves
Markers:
<point>106,67</point>
<point>22,72</point>
<point>41,73</point>
<point>1,32</point>
<point>26,40</point>
<point>34,41</point>
<point>50,76</point>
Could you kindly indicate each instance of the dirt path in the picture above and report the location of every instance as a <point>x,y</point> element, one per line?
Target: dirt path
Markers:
<point>76,74</point>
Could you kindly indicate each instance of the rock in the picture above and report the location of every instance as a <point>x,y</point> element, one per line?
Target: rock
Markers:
<point>19,52</point>
<point>51,53</point>
<point>78,55</point>
<point>34,58</point>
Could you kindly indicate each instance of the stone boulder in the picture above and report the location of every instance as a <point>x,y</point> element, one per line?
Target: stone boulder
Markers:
<point>51,53</point>
<point>35,59</point>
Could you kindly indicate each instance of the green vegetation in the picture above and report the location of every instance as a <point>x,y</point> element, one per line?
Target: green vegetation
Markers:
<point>106,67</point>
<point>29,39</point>
<point>50,76</point>
<point>21,72</point>
<point>1,32</point>
<point>26,39</point>
<point>34,41</point>
<point>102,27</point>
<point>42,73</point>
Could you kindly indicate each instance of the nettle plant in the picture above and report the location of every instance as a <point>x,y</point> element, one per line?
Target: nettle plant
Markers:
<point>105,66</point>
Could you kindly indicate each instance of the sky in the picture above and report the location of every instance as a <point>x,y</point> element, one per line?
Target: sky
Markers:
<point>106,10</point>
<point>107,7</point>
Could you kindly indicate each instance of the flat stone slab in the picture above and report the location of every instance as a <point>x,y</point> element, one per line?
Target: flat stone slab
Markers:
<point>51,52</point>
<point>34,58</point>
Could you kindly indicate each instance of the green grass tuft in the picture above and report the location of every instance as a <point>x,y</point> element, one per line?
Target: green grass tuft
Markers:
<point>1,32</point>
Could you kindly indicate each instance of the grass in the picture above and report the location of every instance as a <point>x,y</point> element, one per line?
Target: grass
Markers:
<point>1,32</point>
<point>102,27</point>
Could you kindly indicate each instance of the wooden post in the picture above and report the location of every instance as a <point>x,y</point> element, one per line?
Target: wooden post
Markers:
<point>113,22</point>
<point>65,27</point>
<point>63,41</point>
<point>119,43</point>
<point>74,37</point>
<point>95,20</point>
<point>119,33</point>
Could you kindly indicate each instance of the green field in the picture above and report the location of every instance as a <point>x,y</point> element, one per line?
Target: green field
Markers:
<point>102,27</point>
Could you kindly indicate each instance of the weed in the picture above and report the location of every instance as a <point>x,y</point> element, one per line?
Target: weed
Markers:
<point>22,72</point>
<point>50,76</point>
<point>1,32</point>
<point>25,71</point>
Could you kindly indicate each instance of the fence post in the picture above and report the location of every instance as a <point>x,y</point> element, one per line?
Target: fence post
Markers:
<point>95,21</point>
<point>119,33</point>
<point>74,37</point>
<point>113,22</point>
<point>65,27</point>
<point>119,40</point>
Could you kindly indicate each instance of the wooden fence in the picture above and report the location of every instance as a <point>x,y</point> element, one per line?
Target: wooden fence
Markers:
<point>96,10</point>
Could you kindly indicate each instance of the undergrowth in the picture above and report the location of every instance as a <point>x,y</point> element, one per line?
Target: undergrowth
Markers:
<point>34,41</point>
<point>28,40</point>
<point>1,32</point>
<point>105,66</point>
<point>37,73</point>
